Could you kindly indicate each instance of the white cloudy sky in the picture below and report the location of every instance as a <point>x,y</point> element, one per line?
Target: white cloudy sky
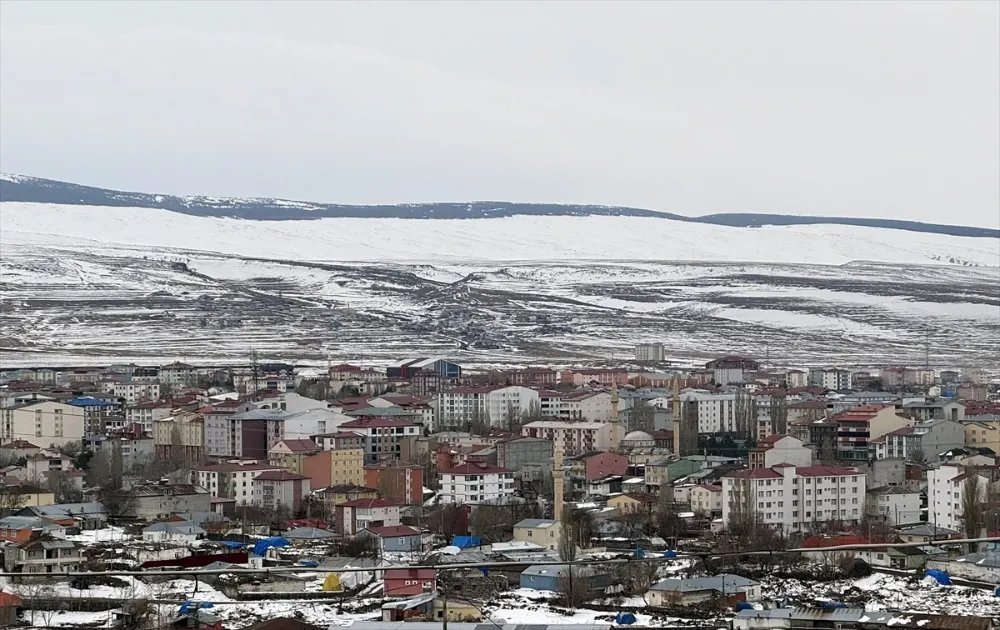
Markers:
<point>856,109</point>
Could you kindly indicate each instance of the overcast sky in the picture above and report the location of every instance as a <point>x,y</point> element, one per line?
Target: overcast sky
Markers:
<point>869,109</point>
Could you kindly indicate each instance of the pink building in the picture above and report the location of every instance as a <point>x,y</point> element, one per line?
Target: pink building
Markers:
<point>604,464</point>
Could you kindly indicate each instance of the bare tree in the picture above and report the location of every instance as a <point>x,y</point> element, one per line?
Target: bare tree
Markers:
<point>495,523</point>
<point>669,525</point>
<point>12,498</point>
<point>973,502</point>
<point>567,537</point>
<point>573,586</point>
<point>443,520</point>
<point>61,485</point>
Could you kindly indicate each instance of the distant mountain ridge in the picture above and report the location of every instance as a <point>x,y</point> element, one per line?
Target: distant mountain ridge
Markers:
<point>21,188</point>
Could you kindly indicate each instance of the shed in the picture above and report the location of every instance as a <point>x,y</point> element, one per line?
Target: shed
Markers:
<point>308,534</point>
<point>548,577</point>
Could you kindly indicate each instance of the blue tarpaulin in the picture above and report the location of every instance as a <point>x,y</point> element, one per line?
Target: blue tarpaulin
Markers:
<point>308,563</point>
<point>232,544</point>
<point>639,553</point>
<point>743,606</point>
<point>939,575</point>
<point>669,554</point>
<point>996,592</point>
<point>261,547</point>
<point>625,619</point>
<point>467,542</point>
<point>189,606</point>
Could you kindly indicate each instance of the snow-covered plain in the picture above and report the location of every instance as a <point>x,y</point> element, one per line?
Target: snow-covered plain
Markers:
<point>84,284</point>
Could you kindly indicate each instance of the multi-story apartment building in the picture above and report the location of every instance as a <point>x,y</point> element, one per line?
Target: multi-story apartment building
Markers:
<point>650,352</point>
<point>475,482</point>
<point>601,376</point>
<point>946,486</point>
<point>831,378</point>
<point>291,454</point>
<point>43,424</point>
<point>857,427</point>
<point>232,480</point>
<point>276,489</point>
<point>894,505</point>
<point>589,406</point>
<point>492,405</point>
<point>178,375</point>
<point>132,391</point>
<point>517,452</point>
<point>780,449</point>
<point>180,437</point>
<point>381,437</point>
<point>146,413</point>
<point>396,482</point>
<point>335,467</point>
<point>795,498</point>
<point>575,437</point>
<point>732,369</point>
<point>716,412</point>
<point>924,441</point>
<point>936,410</point>
<point>983,431</point>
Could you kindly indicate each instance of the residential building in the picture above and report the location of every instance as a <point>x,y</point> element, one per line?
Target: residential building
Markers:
<point>780,449</point>
<point>408,582</point>
<point>706,499</point>
<point>353,516</point>
<point>716,412</point>
<point>601,465</point>
<point>544,532</point>
<point>290,454</point>
<point>548,577</point>
<point>43,555</point>
<point>796,378</point>
<point>339,440</point>
<point>335,495</point>
<point>13,451</point>
<point>396,538</point>
<point>946,487</point>
<point>180,437</point>
<point>633,502</point>
<point>150,502</point>
<point>806,411</point>
<point>81,515</point>
<point>586,406</point>
<point>38,466</point>
<point>335,467</point>
<point>893,505</point>
<point>833,379</point>
<point>396,482</point>
<point>600,376</point>
<point>289,401</point>
<point>47,424</point>
<point>859,426</point>
<point>983,433</point>
<point>731,370</point>
<point>936,410</point>
<point>539,377</point>
<point>575,437</point>
<point>677,592</point>
<point>220,428</point>
<point>441,367</point>
<point>924,441</point>
<point>823,438</point>
<point>95,412</point>
<point>233,480</point>
<point>653,352</point>
<point>134,444</point>
<point>381,437</point>
<point>182,532</point>
<point>16,529</point>
<point>178,375</point>
<point>496,406</point>
<point>794,498</point>
<point>518,451</point>
<point>475,482</point>
<point>132,391</point>
<point>275,489</point>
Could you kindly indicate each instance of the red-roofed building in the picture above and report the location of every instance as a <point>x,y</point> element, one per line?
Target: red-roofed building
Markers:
<point>291,453</point>
<point>780,449</point>
<point>274,489</point>
<point>232,480</point>
<point>707,499</point>
<point>858,426</point>
<point>795,498</point>
<point>353,516</point>
<point>476,482</point>
<point>396,538</point>
<point>146,413</point>
<point>381,436</point>
<point>397,482</point>
<point>409,582</point>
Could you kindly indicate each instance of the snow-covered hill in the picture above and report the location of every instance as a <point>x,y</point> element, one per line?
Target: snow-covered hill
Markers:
<point>82,284</point>
<point>511,238</point>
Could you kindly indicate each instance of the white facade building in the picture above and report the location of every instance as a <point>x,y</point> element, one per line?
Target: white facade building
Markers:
<point>795,498</point>
<point>650,352</point>
<point>43,424</point>
<point>133,391</point>
<point>486,404</point>
<point>592,407</point>
<point>576,437</point>
<point>893,505</point>
<point>231,480</point>
<point>716,412</point>
<point>945,494</point>
<point>475,482</point>
<point>147,413</point>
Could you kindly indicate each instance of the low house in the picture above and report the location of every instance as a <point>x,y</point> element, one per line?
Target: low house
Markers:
<point>17,529</point>
<point>290,454</point>
<point>9,603</point>
<point>396,538</point>
<point>550,577</point>
<point>182,532</point>
<point>43,555</point>
<point>353,516</point>
<point>409,582</point>
<point>854,618</point>
<point>273,489</point>
<point>706,499</point>
<point>925,533</point>
<point>540,531</point>
<point>80,515</point>
<point>675,592</point>
<point>907,557</point>
<point>308,534</point>
<point>17,449</point>
<point>158,500</point>
<point>430,607</point>
<point>636,502</point>
<point>27,495</point>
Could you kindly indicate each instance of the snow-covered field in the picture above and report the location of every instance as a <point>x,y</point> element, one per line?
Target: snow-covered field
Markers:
<point>82,284</point>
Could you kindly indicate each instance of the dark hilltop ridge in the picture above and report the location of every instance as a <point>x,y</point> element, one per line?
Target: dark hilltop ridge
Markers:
<point>39,190</point>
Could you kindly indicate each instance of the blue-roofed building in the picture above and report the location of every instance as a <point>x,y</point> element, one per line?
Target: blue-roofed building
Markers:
<point>81,515</point>
<point>550,577</point>
<point>95,411</point>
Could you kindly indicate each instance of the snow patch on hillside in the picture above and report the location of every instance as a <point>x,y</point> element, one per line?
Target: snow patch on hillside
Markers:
<point>506,239</point>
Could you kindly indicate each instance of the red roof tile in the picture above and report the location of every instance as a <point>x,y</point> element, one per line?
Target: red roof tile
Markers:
<point>279,475</point>
<point>475,468</point>
<point>366,503</point>
<point>393,531</point>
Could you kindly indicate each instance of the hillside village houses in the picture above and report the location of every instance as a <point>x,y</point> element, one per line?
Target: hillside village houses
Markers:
<point>351,449</point>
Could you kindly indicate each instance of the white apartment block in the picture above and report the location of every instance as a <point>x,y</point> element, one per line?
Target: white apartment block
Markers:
<point>893,505</point>
<point>945,494</point>
<point>147,414</point>
<point>592,407</point>
<point>43,424</point>
<point>716,412</point>
<point>231,480</point>
<point>132,391</point>
<point>575,437</point>
<point>475,482</point>
<point>487,404</point>
<point>650,352</point>
<point>795,498</point>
